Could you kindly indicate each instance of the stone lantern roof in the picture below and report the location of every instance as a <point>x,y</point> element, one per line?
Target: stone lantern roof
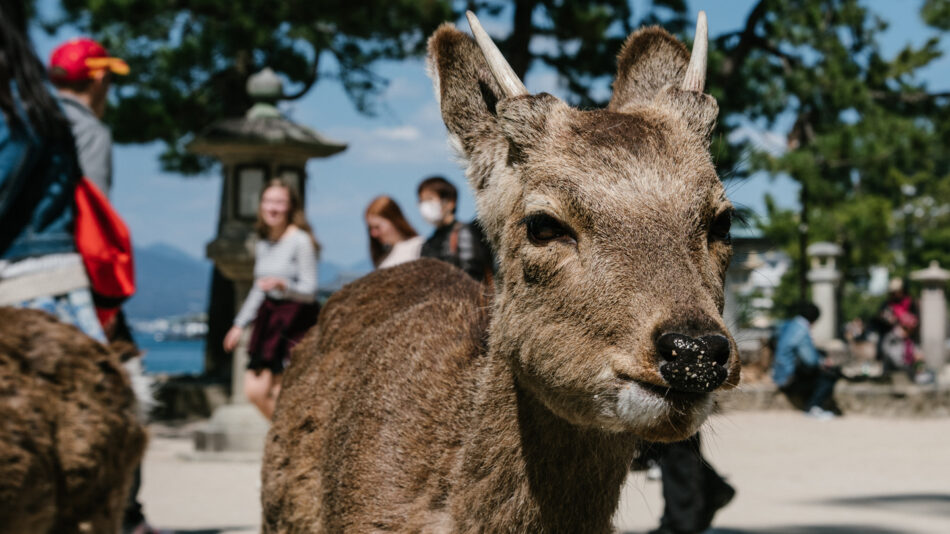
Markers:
<point>263,128</point>
<point>932,274</point>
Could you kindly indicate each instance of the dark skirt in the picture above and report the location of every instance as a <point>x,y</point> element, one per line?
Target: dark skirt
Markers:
<point>280,324</point>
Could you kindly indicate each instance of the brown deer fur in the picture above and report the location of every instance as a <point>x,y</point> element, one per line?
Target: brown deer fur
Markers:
<point>69,437</point>
<point>418,404</point>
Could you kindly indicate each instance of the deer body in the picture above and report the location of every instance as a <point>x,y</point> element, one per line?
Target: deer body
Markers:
<point>420,404</point>
<point>70,439</point>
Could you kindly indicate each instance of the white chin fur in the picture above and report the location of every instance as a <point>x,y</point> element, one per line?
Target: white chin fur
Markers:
<point>635,409</point>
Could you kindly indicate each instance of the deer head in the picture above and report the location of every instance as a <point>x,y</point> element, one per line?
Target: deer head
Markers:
<point>611,228</point>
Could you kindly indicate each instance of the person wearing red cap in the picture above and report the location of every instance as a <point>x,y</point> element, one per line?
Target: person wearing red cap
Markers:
<point>81,69</point>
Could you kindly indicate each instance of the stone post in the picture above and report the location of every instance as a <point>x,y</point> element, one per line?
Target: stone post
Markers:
<point>933,315</point>
<point>824,277</point>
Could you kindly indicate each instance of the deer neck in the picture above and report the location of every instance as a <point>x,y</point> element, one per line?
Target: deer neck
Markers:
<point>528,470</point>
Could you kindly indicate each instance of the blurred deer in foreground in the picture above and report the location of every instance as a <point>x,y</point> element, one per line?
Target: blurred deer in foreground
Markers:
<point>71,427</point>
<point>419,404</point>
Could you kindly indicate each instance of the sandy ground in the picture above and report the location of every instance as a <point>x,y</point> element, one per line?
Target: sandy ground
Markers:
<point>794,475</point>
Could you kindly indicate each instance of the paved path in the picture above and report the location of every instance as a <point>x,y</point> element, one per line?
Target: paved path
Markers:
<point>855,475</point>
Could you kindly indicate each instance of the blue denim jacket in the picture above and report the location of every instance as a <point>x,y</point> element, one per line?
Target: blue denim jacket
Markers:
<point>37,186</point>
<point>794,347</point>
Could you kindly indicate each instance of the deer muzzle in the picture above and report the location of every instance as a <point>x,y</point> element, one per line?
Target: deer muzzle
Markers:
<point>693,365</point>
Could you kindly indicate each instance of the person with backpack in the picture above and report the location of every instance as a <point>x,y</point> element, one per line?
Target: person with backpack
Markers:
<point>463,245</point>
<point>81,70</point>
<point>39,264</point>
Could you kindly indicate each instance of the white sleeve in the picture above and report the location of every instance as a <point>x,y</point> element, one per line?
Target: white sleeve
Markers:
<point>304,285</point>
<point>251,304</point>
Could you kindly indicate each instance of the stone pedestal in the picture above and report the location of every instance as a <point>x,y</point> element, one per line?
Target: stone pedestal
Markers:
<point>237,427</point>
<point>824,278</point>
<point>933,315</point>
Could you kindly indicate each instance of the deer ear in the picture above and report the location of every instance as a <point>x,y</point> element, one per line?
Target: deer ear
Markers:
<point>467,93</point>
<point>650,60</point>
<point>655,69</point>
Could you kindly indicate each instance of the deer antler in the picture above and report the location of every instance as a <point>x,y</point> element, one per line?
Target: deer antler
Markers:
<point>695,78</point>
<point>500,69</point>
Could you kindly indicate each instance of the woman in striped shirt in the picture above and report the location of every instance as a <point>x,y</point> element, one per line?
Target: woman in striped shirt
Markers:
<point>282,302</point>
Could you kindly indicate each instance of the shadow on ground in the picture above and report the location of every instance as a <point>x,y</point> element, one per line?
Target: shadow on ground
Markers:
<point>912,503</point>
<point>802,529</point>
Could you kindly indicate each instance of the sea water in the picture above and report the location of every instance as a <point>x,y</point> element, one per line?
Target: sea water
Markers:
<point>178,357</point>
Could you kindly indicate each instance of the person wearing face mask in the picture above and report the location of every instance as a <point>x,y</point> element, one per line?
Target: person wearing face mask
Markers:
<point>392,240</point>
<point>455,242</point>
<point>282,302</point>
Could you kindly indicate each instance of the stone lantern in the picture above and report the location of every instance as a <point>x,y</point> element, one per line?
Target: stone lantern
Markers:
<point>824,278</point>
<point>253,149</point>
<point>933,315</point>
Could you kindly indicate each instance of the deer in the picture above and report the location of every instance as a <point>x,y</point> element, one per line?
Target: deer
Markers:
<point>71,428</point>
<point>422,402</point>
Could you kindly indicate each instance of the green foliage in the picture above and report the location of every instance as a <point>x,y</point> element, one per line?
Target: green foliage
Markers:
<point>190,60</point>
<point>936,13</point>
<point>864,131</point>
<point>856,303</point>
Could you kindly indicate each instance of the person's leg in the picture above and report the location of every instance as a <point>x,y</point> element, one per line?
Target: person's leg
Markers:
<point>823,387</point>
<point>271,401</point>
<point>717,493</point>
<point>133,516</point>
<point>683,495</point>
<point>257,386</point>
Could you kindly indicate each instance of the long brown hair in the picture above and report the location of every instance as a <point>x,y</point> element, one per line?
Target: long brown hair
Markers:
<point>385,207</point>
<point>295,214</point>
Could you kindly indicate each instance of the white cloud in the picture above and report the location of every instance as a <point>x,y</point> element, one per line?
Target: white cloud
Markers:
<point>399,133</point>
<point>771,142</point>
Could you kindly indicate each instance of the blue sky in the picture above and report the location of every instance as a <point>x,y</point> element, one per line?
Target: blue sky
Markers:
<point>391,152</point>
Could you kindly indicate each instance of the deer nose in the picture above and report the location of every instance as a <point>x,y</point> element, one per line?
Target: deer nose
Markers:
<point>695,365</point>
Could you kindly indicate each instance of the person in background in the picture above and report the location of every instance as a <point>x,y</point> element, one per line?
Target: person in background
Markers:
<point>82,70</point>
<point>282,302</point>
<point>39,265</point>
<point>392,240</point>
<point>798,368</point>
<point>460,244</point>
<point>898,321</point>
<point>692,490</point>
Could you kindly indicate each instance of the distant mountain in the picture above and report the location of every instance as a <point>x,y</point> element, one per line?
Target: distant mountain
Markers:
<point>170,282</point>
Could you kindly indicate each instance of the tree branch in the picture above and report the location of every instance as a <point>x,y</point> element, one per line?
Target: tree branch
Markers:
<point>311,78</point>
<point>908,98</point>
<point>731,65</point>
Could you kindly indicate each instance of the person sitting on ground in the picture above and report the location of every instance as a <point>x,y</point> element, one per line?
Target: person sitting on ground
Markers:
<point>455,242</point>
<point>392,240</point>
<point>282,303</point>
<point>798,368</point>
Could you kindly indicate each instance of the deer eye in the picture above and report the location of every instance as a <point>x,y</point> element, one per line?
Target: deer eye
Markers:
<point>719,229</point>
<point>542,229</point>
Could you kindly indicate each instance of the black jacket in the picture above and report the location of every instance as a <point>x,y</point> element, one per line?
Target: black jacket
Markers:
<point>462,245</point>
